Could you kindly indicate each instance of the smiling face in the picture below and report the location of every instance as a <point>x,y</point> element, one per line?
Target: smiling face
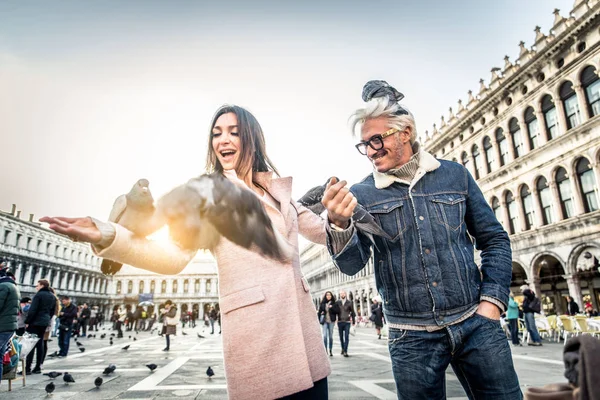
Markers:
<point>226,141</point>
<point>396,149</point>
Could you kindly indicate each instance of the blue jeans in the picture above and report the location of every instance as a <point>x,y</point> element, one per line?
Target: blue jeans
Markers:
<point>328,334</point>
<point>4,338</point>
<point>344,328</point>
<point>531,328</point>
<point>472,347</point>
<point>64,338</point>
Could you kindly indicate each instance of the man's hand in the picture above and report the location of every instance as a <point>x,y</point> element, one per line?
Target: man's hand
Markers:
<point>489,310</point>
<point>339,202</point>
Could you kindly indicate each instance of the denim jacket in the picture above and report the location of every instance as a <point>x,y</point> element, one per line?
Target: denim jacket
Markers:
<point>426,274</point>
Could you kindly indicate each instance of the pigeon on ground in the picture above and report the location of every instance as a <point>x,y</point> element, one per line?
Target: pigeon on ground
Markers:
<point>363,221</point>
<point>78,343</point>
<point>53,374</point>
<point>183,333</point>
<point>210,373</point>
<point>112,335</point>
<point>126,347</point>
<point>134,339</point>
<point>81,349</point>
<point>68,378</point>
<point>103,336</point>
<point>151,367</point>
<point>200,336</point>
<point>134,211</point>
<point>129,336</point>
<point>98,382</point>
<point>205,208</point>
<point>50,388</point>
<point>110,369</point>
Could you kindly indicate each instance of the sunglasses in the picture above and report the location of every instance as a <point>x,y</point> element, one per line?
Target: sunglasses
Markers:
<point>376,141</point>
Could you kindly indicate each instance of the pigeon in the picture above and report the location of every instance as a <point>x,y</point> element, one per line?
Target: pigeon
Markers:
<point>199,212</point>
<point>200,336</point>
<point>110,369</point>
<point>134,211</point>
<point>50,388</point>
<point>98,382</point>
<point>134,339</point>
<point>81,349</point>
<point>129,336</point>
<point>112,335</point>
<point>78,343</point>
<point>151,367</point>
<point>103,336</point>
<point>363,221</point>
<point>210,373</point>
<point>53,374</point>
<point>68,378</point>
<point>183,333</point>
<point>126,347</point>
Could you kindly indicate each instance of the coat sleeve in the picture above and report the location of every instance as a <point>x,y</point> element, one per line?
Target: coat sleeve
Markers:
<point>33,310</point>
<point>161,257</point>
<point>310,225</point>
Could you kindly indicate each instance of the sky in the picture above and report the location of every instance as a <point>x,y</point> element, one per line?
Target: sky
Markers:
<point>95,95</point>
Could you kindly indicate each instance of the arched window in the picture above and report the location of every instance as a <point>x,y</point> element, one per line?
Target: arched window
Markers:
<point>489,153</point>
<point>141,287</point>
<point>455,159</point>
<point>545,199</point>
<point>591,84</point>
<point>175,286</point>
<point>130,287</point>
<point>564,192</point>
<point>569,99</point>
<point>152,286</point>
<point>197,286</point>
<point>163,287</point>
<point>587,185</point>
<point>550,116</point>
<point>186,286</point>
<point>465,159</point>
<point>502,146</point>
<point>118,287</point>
<point>497,209</point>
<point>517,137</point>
<point>208,286</point>
<point>527,204</point>
<point>477,164</point>
<point>533,129</point>
<point>511,205</point>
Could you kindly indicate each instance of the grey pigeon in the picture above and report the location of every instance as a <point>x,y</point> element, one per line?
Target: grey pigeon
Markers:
<point>50,388</point>
<point>363,221</point>
<point>126,347</point>
<point>110,369</point>
<point>53,374</point>
<point>136,212</point>
<point>81,349</point>
<point>151,367</point>
<point>205,208</point>
<point>68,378</point>
<point>98,382</point>
<point>210,373</point>
<point>200,336</point>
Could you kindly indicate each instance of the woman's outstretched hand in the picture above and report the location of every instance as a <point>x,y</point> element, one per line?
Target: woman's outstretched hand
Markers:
<point>78,229</point>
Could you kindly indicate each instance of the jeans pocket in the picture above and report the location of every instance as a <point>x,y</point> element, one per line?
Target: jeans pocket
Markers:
<point>483,317</point>
<point>396,335</point>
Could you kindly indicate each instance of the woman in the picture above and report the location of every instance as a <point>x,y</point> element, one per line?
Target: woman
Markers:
<point>572,306</point>
<point>169,322</point>
<point>327,316</point>
<point>120,320</point>
<point>377,316</point>
<point>512,316</point>
<point>259,363</point>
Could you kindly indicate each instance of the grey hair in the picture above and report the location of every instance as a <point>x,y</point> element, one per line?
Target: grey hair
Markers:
<point>382,107</point>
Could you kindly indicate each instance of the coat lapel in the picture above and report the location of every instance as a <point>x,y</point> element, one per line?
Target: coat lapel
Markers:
<point>280,189</point>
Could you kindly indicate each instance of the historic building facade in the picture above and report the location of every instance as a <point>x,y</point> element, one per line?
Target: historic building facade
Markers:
<point>531,139</point>
<point>33,252</point>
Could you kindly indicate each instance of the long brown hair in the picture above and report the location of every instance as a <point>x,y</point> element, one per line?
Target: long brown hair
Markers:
<point>253,150</point>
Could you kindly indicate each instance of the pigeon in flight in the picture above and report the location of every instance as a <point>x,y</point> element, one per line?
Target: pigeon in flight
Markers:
<point>110,369</point>
<point>210,206</point>
<point>151,367</point>
<point>363,221</point>
<point>53,374</point>
<point>50,388</point>
<point>210,373</point>
<point>134,211</point>
<point>68,378</point>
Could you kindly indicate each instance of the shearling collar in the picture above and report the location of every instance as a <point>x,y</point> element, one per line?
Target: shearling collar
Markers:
<point>427,163</point>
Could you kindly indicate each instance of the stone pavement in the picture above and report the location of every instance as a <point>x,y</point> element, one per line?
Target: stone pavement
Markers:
<point>366,374</point>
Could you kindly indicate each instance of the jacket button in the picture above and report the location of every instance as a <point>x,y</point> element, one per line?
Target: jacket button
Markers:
<point>427,251</point>
<point>421,217</point>
<point>434,284</point>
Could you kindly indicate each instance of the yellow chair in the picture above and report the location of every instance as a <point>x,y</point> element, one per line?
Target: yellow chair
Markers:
<point>583,325</point>
<point>553,326</point>
<point>523,330</point>
<point>568,327</point>
<point>543,325</point>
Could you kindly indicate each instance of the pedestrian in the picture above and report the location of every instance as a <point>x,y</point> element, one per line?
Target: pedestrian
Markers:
<point>121,316</point>
<point>151,322</point>
<point>93,318</point>
<point>84,318</point>
<point>531,305</point>
<point>440,307</point>
<point>212,317</point>
<point>43,307</point>
<point>24,305</point>
<point>512,316</point>
<point>66,318</point>
<point>50,328</point>
<point>9,309</point>
<point>253,289</point>
<point>345,315</point>
<point>99,319</point>
<point>169,322</point>
<point>572,306</point>
<point>327,316</point>
<point>130,319</point>
<point>377,316</point>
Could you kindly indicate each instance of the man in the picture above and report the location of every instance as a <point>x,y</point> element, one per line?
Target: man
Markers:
<point>212,317</point>
<point>344,309</point>
<point>43,307</point>
<point>93,318</point>
<point>531,305</point>
<point>441,308</point>
<point>9,309</point>
<point>68,313</point>
<point>84,318</point>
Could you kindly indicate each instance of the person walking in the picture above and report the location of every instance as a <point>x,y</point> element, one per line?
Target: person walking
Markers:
<point>93,318</point>
<point>43,307</point>
<point>212,317</point>
<point>344,310</point>
<point>512,316</point>
<point>66,317</point>
<point>572,306</point>
<point>121,316</point>
<point>531,305</point>
<point>440,307</point>
<point>9,308</point>
<point>253,288</point>
<point>84,319</point>
<point>377,316</point>
<point>169,322</point>
<point>50,328</point>
<point>327,317</point>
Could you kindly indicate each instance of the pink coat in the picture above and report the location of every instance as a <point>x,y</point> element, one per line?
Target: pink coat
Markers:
<point>272,342</point>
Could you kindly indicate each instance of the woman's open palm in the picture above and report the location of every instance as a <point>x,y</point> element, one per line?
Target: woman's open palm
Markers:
<point>78,229</point>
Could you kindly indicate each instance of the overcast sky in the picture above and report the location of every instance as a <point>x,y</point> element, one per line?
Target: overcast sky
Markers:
<point>94,95</point>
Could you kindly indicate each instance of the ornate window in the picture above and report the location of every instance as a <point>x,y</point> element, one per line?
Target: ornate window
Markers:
<point>511,206</point>
<point>152,286</point>
<point>163,287</point>
<point>141,287</point>
<point>175,285</point>
<point>587,185</point>
<point>477,163</point>
<point>502,146</point>
<point>465,159</point>
<point>533,129</point>
<point>118,287</point>
<point>186,286</point>
<point>591,84</point>
<point>130,287</point>
<point>208,286</point>
<point>489,153</point>
<point>550,116</point>
<point>569,99</point>
<point>197,286</point>
<point>497,209</point>
<point>545,199</point>
<point>517,137</point>
<point>564,192</point>
<point>527,204</point>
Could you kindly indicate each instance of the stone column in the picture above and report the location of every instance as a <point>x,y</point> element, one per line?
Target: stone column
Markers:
<point>584,114</point>
<point>80,286</point>
<point>575,189</point>
<point>596,168</point>
<point>511,146</point>
<point>543,132</point>
<point>560,110</point>
<point>18,271</point>
<point>524,133</point>
<point>27,280</point>
<point>574,288</point>
<point>556,198</point>
<point>521,217</point>
<point>537,207</point>
<point>203,286</point>
<point>180,286</point>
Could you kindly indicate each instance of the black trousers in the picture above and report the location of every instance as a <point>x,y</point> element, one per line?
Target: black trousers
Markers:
<point>514,330</point>
<point>39,347</point>
<point>318,392</point>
